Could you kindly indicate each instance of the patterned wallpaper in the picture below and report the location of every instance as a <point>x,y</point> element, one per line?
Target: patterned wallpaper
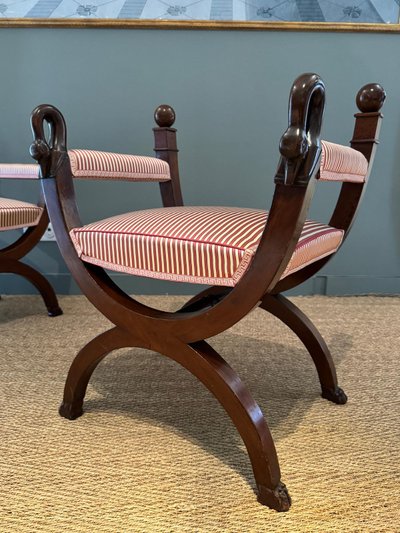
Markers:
<point>379,11</point>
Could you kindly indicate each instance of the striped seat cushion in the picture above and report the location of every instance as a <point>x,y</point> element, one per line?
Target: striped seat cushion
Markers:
<point>342,163</point>
<point>210,245</point>
<point>104,165</point>
<point>15,214</point>
<point>12,170</point>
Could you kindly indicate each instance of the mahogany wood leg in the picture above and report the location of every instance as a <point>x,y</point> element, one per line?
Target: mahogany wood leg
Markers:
<point>298,322</point>
<point>83,367</point>
<point>38,280</point>
<point>209,367</point>
<point>221,380</point>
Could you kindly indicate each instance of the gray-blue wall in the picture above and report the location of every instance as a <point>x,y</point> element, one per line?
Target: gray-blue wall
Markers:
<point>229,90</point>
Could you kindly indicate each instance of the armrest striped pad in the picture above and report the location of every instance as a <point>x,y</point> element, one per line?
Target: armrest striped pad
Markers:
<point>17,171</point>
<point>104,165</point>
<point>342,163</point>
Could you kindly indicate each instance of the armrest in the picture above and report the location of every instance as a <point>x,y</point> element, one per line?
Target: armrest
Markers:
<point>93,164</point>
<point>342,163</point>
<point>17,171</point>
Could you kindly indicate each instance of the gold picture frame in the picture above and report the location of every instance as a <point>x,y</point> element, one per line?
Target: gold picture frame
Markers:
<point>258,15</point>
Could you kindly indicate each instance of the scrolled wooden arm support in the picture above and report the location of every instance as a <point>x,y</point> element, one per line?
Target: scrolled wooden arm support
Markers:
<point>300,145</point>
<point>370,99</point>
<point>11,255</point>
<point>49,154</point>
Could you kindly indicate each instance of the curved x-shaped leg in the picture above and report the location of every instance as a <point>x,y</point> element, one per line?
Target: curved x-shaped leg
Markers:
<point>221,380</point>
<point>298,322</point>
<point>38,280</point>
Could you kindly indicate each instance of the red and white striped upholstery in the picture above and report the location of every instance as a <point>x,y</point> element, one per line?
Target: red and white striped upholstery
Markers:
<point>210,245</point>
<point>104,165</point>
<point>15,214</point>
<point>11,170</point>
<point>342,163</point>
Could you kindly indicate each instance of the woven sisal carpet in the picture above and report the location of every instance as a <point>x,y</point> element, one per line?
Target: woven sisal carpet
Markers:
<point>154,452</point>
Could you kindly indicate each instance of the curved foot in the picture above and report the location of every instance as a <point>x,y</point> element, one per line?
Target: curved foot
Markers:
<point>71,410</point>
<point>278,498</point>
<point>336,395</point>
<point>54,311</point>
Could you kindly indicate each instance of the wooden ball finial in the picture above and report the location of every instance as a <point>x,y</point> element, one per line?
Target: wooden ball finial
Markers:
<point>164,115</point>
<point>370,98</point>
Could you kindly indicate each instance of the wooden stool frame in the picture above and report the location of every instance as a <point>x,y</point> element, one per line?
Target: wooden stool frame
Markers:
<point>181,335</point>
<point>10,262</point>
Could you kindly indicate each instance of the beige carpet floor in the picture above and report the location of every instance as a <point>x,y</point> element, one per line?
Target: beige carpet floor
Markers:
<point>154,451</point>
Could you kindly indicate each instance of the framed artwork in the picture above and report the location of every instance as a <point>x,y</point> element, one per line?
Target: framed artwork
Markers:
<point>340,15</point>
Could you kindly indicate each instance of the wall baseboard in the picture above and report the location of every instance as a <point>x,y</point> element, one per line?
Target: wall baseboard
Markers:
<point>326,285</point>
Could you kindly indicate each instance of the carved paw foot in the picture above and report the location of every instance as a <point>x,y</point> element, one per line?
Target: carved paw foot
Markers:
<point>277,498</point>
<point>54,311</point>
<point>336,395</point>
<point>71,410</point>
